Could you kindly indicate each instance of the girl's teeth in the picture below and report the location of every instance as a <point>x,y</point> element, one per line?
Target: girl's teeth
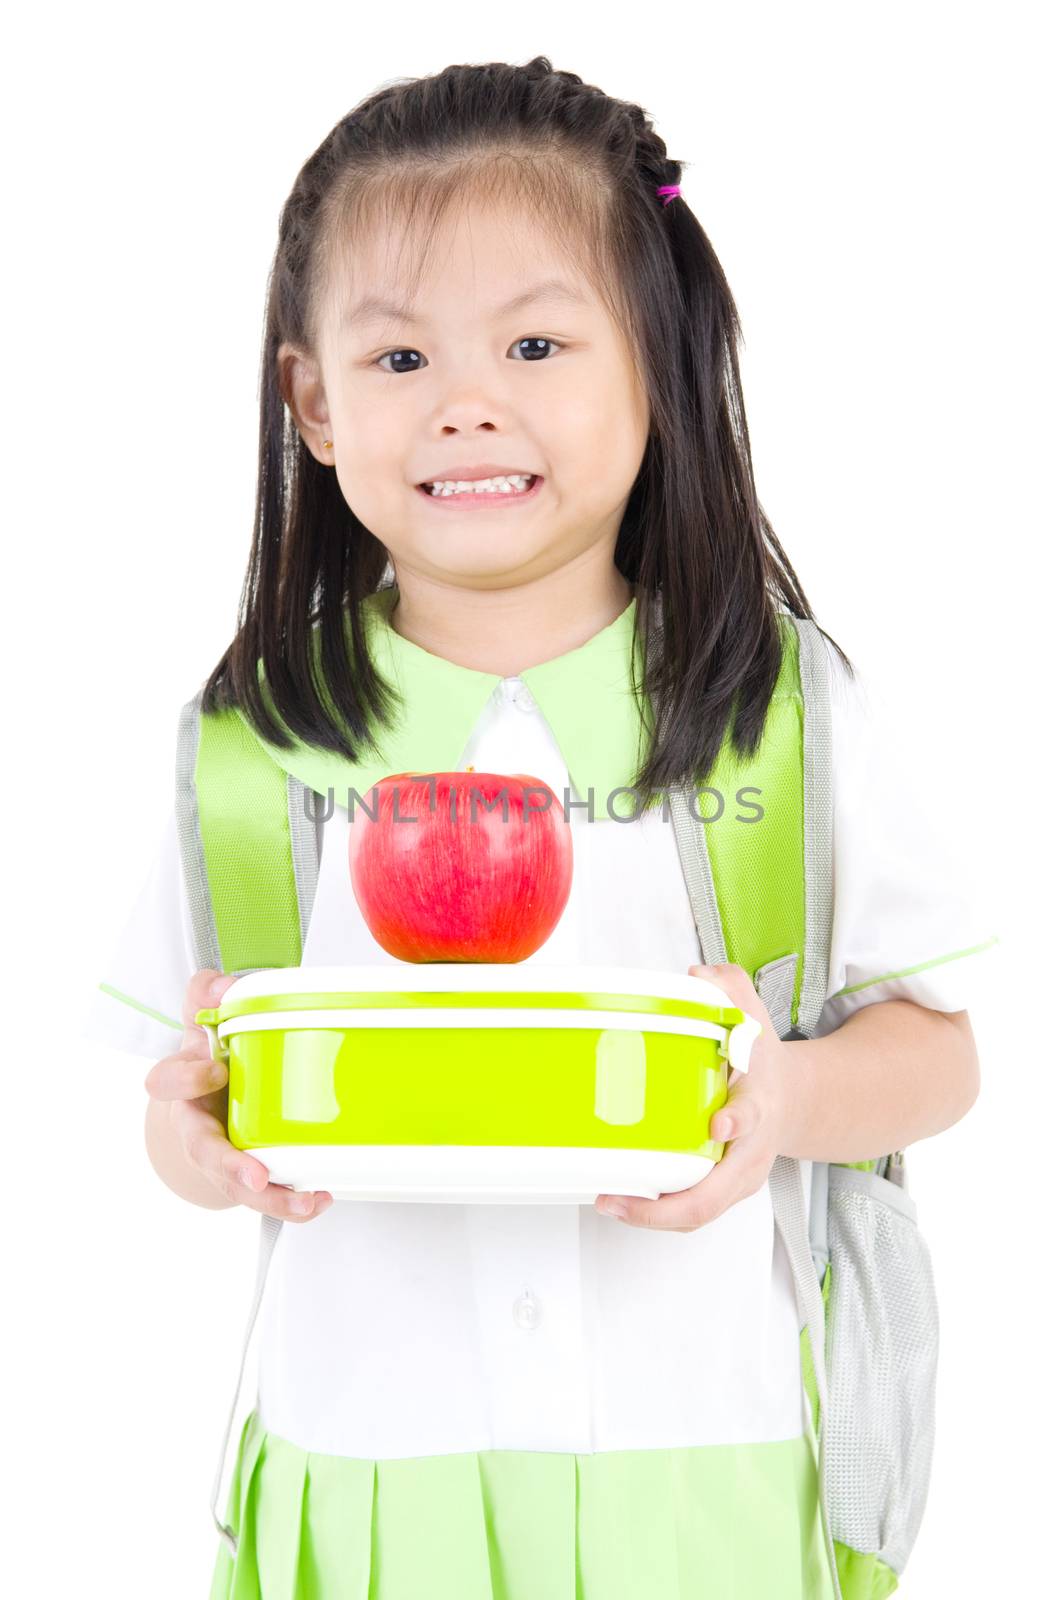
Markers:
<point>515,483</point>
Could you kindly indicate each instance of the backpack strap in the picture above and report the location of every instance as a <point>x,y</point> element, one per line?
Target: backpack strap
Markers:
<point>761,896</point>
<point>760,887</point>
<point>248,844</point>
<point>250,851</point>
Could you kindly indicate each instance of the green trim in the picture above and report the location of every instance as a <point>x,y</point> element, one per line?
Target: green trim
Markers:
<point>148,1011</point>
<point>863,1576</point>
<point>904,972</point>
<point>806,1354</point>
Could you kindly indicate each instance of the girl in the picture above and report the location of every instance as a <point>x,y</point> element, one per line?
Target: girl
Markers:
<point>523,1401</point>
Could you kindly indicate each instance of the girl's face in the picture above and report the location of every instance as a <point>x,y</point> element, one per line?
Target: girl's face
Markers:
<point>463,379</point>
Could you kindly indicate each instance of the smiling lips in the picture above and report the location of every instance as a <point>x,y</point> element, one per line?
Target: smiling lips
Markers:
<point>471,490</point>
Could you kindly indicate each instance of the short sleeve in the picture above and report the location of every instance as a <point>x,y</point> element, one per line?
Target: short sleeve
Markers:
<point>910,920</point>
<point>137,1004</point>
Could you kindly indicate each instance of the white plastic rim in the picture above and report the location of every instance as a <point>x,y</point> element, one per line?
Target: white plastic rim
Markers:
<point>472,1017</point>
<point>446,976</point>
<point>741,1043</point>
<point>480,1174</point>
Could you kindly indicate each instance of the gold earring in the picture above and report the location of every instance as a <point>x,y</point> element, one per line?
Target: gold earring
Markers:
<point>327,444</point>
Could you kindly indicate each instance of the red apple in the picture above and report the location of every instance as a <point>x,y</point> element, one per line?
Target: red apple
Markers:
<point>439,877</point>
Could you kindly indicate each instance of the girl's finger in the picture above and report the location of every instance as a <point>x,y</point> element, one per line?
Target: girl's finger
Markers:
<point>187,1075</point>
<point>738,1117</point>
<point>205,989</point>
<point>207,1149</point>
<point>729,1180</point>
<point>293,1205</point>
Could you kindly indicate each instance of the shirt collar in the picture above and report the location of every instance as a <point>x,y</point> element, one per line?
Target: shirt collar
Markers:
<point>584,695</point>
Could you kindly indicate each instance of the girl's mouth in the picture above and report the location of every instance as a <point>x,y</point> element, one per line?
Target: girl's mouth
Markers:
<point>472,500</point>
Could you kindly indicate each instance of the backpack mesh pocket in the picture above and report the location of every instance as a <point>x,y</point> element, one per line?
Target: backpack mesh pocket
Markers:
<point>881,1355</point>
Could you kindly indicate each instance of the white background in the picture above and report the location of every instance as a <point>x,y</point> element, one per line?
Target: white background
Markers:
<point>875,183</point>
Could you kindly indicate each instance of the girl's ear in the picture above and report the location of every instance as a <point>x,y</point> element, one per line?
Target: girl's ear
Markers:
<point>299,380</point>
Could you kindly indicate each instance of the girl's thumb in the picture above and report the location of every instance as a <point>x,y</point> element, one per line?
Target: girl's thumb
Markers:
<point>205,989</point>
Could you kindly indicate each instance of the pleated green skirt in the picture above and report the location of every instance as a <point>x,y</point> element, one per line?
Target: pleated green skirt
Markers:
<point>715,1522</point>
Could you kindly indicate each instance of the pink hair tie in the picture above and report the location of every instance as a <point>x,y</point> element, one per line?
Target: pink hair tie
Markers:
<point>670,190</point>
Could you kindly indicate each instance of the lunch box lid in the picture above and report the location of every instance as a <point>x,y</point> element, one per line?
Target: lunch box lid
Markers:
<point>472,984</point>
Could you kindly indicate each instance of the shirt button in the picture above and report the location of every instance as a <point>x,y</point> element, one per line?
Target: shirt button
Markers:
<point>527,1310</point>
<point>519,694</point>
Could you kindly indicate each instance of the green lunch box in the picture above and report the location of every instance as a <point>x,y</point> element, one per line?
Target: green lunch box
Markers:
<point>489,1082</point>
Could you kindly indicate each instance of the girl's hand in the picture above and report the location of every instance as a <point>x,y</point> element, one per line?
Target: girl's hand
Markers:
<point>195,1089</point>
<point>754,1119</point>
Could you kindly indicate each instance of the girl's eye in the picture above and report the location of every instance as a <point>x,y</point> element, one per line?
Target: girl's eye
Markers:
<point>536,351</point>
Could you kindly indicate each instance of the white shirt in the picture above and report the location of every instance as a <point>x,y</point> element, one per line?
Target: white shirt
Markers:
<point>398,1329</point>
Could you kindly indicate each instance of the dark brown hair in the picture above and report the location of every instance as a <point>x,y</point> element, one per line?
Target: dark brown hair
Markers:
<point>693,534</point>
